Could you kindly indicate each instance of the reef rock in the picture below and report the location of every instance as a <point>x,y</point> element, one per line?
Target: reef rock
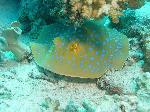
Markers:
<point>11,36</point>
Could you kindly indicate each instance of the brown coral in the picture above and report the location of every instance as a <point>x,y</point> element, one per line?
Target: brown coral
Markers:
<point>93,9</point>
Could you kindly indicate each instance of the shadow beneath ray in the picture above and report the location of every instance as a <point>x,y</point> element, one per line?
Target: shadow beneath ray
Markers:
<point>53,77</point>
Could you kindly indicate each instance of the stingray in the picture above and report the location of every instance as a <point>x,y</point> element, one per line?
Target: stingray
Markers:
<point>85,52</point>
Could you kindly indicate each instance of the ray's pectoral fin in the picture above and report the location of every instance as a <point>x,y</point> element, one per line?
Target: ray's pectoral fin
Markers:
<point>39,52</point>
<point>58,42</point>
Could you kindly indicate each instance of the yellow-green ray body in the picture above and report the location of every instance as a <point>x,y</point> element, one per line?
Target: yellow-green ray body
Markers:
<point>87,52</point>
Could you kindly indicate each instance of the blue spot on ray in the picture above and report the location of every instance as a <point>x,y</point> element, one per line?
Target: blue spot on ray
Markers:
<point>92,35</point>
<point>81,35</point>
<point>102,55</point>
<point>90,49</point>
<point>81,64</point>
<point>104,43</point>
<point>96,53</point>
<point>92,58</point>
<point>57,57</point>
<point>52,56</point>
<point>103,51</point>
<point>90,66</point>
<point>96,35</point>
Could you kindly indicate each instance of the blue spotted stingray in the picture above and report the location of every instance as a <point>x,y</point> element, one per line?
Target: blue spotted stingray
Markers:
<point>85,52</point>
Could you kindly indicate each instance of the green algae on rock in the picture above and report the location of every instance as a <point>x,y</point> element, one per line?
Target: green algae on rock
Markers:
<point>86,52</point>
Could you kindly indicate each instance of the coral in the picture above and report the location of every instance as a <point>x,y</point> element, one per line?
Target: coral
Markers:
<point>73,12</point>
<point>88,54</point>
<point>89,106</point>
<point>5,93</point>
<point>71,107</point>
<point>143,94</point>
<point>11,36</point>
<point>119,83</point>
<point>143,23</point>
<point>146,49</point>
<point>143,101</point>
<point>138,33</point>
<point>85,97</point>
<point>44,12</point>
<point>127,103</point>
<point>3,45</point>
<point>107,104</point>
<point>93,9</point>
<point>51,105</point>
